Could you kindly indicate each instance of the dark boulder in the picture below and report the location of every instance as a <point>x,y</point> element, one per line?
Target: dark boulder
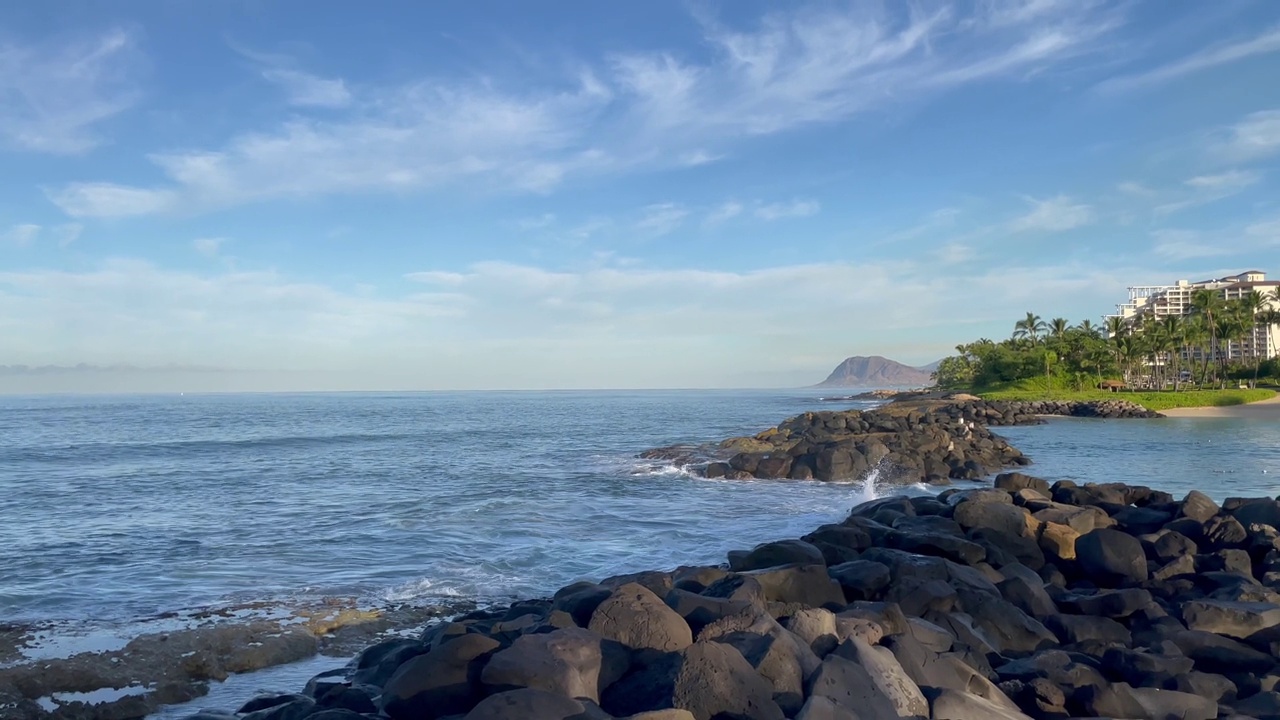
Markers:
<point>1224,531</point>
<point>709,679</point>
<point>532,704</point>
<point>1073,629</point>
<point>774,554</point>
<point>1107,603</point>
<point>849,687</point>
<point>1198,507</point>
<point>1239,620</point>
<point>1015,481</point>
<point>1144,669</point>
<point>807,585</point>
<point>700,610</point>
<point>1112,557</point>
<point>861,579</point>
<point>445,681</point>
<point>580,600</point>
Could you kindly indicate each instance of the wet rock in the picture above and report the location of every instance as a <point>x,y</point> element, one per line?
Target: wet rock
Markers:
<point>580,600</point>
<point>861,579</point>
<point>1198,507</point>
<point>699,610</point>
<point>291,707</point>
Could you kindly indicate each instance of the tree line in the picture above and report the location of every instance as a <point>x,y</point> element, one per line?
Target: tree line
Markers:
<point>1172,351</point>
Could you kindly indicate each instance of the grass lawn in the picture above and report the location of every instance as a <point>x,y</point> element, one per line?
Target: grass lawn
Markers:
<point>1150,400</point>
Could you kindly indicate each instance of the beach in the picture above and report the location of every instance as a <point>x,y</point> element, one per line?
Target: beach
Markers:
<point>1262,410</point>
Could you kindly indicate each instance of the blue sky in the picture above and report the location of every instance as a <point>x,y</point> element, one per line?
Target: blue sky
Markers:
<point>586,194</point>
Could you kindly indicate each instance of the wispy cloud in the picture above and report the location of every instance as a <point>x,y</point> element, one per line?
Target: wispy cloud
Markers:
<point>307,90</point>
<point>68,233</point>
<point>1136,189</point>
<point>1055,214</point>
<point>1205,189</point>
<point>725,211</point>
<point>791,68</point>
<point>1177,244</point>
<point>1266,42</point>
<point>536,223</point>
<point>1255,137</point>
<point>662,219</point>
<point>793,209</point>
<point>53,96</point>
<point>208,246</point>
<point>21,235</point>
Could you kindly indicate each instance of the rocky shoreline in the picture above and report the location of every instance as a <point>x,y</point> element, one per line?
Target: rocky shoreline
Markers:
<point>932,441</point>
<point>1021,600</point>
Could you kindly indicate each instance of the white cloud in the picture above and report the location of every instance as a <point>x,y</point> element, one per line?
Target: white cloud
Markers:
<point>1205,189</point>
<point>208,246</point>
<point>21,235</point>
<point>1185,245</point>
<point>1254,137</point>
<point>52,96</point>
<point>1135,189</point>
<point>1056,214</point>
<point>308,90</point>
<point>662,219</point>
<point>792,68</point>
<point>536,223</point>
<point>726,211</point>
<point>955,253</point>
<point>68,233</point>
<point>1265,43</point>
<point>607,325</point>
<point>793,209</point>
<point>109,200</point>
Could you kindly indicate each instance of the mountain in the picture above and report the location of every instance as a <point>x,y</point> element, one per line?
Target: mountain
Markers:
<point>876,371</point>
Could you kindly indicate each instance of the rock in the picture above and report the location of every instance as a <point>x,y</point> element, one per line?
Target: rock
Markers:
<point>1206,685</point>
<point>1107,603</point>
<point>1218,654</point>
<point>339,714</point>
<point>293,707</point>
<point>1009,519</point>
<point>1112,557</point>
<point>1010,629</point>
<point>824,708</point>
<point>777,654</point>
<point>1168,545</point>
<point>1116,700</point>
<point>860,579</point>
<point>571,662</point>
<point>1233,619</point>
<point>888,676</point>
<point>1138,521</point>
<point>635,617</point>
<point>1159,703</point>
<point>1057,542</point>
<point>849,687</point>
<point>1021,548</point>
<point>1073,629</point>
<point>669,714</point>
<point>1224,531</point>
<point>1081,519</point>
<point>1028,597</point>
<point>783,552</point>
<point>1015,481</point>
<point>937,544</point>
<point>709,679</point>
<point>1140,668</point>
<point>1261,511</point>
<point>956,705</point>
<point>807,585</point>
<point>1198,507</point>
<point>528,704</point>
<point>1261,705</point>
<point>817,628</point>
<point>699,610</point>
<point>445,681</point>
<point>580,600</point>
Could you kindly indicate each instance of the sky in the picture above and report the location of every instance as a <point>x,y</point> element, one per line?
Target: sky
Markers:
<point>249,195</point>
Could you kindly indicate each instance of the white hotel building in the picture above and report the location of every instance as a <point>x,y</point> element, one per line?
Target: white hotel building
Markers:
<point>1148,301</point>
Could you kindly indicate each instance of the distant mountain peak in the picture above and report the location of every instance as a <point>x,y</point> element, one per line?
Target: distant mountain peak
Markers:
<point>877,371</point>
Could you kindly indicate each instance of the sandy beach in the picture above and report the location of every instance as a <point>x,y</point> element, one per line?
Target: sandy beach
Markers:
<point>1262,410</point>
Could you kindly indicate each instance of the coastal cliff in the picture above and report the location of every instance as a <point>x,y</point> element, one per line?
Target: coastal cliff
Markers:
<point>876,371</point>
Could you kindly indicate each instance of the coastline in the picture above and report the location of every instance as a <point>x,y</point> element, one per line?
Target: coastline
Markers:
<point>1261,410</point>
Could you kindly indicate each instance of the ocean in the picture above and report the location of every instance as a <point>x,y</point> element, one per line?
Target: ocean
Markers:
<point>121,508</point>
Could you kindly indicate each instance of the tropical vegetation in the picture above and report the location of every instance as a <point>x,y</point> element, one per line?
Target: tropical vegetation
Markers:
<point>1187,353</point>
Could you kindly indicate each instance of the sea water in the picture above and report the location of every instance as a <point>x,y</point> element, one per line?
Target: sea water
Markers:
<point>120,508</point>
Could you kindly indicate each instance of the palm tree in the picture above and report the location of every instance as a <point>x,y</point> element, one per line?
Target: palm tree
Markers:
<point>1058,327</point>
<point>1269,318</point>
<point>1030,328</point>
<point>1088,328</point>
<point>1252,304</point>
<point>1195,334</point>
<point>1209,304</point>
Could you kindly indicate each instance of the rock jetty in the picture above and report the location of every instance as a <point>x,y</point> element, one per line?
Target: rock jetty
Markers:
<point>931,441</point>
<point>1020,600</point>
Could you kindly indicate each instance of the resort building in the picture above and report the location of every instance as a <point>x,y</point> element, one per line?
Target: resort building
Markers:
<point>1157,301</point>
